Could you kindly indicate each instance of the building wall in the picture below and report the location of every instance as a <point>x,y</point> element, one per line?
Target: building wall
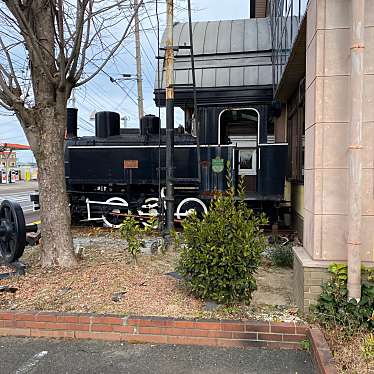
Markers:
<point>8,161</point>
<point>298,209</point>
<point>327,122</point>
<point>280,126</point>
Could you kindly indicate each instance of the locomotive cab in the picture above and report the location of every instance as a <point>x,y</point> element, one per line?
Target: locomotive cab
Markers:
<point>260,162</point>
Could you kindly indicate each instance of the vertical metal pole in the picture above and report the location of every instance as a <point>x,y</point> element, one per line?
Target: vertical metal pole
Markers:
<point>73,98</point>
<point>138,56</point>
<point>195,117</point>
<point>7,168</point>
<point>169,67</point>
<point>355,150</point>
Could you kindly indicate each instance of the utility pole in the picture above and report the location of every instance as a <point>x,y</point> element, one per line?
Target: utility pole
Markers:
<point>73,99</point>
<point>195,119</point>
<point>169,71</point>
<point>138,56</point>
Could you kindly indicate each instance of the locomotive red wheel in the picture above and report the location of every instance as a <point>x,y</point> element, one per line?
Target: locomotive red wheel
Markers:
<point>12,231</point>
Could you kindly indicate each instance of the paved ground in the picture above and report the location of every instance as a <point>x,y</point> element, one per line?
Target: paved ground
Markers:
<point>20,192</point>
<point>41,356</point>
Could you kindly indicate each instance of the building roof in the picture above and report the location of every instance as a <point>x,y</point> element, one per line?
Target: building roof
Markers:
<point>233,53</point>
<point>7,146</point>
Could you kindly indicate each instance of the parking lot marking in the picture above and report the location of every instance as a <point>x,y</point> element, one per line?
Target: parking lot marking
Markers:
<point>30,364</point>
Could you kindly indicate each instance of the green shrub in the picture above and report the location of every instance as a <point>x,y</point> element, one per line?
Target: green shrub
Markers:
<point>222,250</point>
<point>282,255</point>
<point>131,231</point>
<point>367,348</point>
<point>134,232</point>
<point>334,308</point>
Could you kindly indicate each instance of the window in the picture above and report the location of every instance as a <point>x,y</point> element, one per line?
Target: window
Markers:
<point>238,123</point>
<point>247,162</point>
<point>296,134</point>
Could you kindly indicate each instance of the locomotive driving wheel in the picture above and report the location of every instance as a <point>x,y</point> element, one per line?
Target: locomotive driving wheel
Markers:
<point>190,205</point>
<point>115,212</point>
<point>12,231</point>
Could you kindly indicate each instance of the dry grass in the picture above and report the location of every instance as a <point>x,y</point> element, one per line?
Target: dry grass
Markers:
<point>106,268</point>
<point>348,352</point>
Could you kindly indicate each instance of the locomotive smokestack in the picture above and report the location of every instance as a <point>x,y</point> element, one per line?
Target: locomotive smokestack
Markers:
<point>71,123</point>
<point>107,124</point>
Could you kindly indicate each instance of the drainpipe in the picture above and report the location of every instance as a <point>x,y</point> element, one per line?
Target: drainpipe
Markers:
<point>355,150</point>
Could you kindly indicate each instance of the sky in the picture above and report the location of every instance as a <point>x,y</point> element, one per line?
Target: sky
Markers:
<point>101,94</point>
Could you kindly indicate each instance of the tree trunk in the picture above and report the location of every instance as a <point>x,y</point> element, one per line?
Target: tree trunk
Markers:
<point>57,243</point>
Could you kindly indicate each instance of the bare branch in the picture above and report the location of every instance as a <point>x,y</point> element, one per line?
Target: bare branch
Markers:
<point>28,34</point>
<point>73,59</point>
<point>13,76</point>
<point>124,35</point>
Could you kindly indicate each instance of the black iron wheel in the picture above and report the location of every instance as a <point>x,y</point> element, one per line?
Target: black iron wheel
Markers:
<point>115,212</point>
<point>12,231</point>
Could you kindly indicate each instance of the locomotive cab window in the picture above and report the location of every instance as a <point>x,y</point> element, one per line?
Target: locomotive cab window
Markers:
<point>240,127</point>
<point>247,162</point>
<point>238,123</point>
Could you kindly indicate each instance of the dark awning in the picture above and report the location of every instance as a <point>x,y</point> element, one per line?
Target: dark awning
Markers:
<point>294,70</point>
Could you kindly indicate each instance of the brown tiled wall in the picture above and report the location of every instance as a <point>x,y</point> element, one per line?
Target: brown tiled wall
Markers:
<point>307,286</point>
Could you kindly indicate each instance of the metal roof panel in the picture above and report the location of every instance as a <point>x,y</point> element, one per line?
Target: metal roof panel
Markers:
<point>237,36</point>
<point>227,53</point>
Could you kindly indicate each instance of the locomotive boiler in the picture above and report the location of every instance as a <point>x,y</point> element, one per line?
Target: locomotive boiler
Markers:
<point>122,170</point>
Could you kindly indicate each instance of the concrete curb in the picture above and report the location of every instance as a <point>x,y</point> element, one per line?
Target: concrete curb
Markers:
<point>164,330</point>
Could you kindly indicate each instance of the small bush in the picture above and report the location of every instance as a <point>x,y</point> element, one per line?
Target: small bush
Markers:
<point>131,231</point>
<point>282,255</point>
<point>222,250</point>
<point>334,308</point>
<point>367,348</point>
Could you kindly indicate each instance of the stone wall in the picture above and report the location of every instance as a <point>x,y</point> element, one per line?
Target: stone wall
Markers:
<point>327,124</point>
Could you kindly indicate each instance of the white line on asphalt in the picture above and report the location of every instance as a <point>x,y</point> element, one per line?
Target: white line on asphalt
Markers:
<point>30,364</point>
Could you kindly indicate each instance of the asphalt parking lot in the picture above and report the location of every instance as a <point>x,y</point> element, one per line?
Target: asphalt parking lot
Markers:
<point>20,192</point>
<point>31,356</point>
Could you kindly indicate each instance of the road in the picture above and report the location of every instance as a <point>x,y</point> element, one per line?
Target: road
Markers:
<point>42,356</point>
<point>20,192</point>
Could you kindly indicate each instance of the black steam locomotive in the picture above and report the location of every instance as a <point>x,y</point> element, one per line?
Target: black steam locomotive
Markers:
<point>122,170</point>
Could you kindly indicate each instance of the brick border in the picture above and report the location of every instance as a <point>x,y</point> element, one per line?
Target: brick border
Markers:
<point>321,354</point>
<point>164,330</point>
<point>152,329</point>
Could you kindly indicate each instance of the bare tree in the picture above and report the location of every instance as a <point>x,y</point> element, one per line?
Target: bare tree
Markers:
<point>48,47</point>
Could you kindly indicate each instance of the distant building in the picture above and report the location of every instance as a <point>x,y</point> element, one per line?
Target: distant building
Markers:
<point>8,160</point>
